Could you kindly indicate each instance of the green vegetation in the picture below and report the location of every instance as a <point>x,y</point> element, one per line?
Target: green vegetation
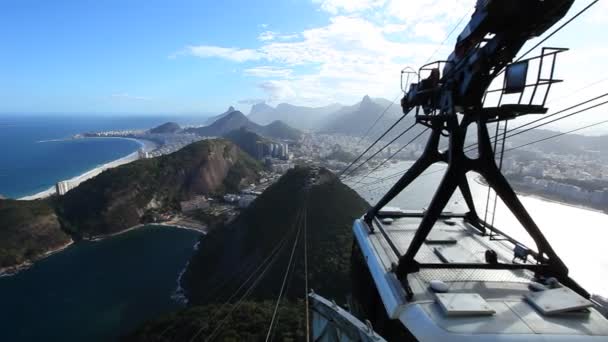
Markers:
<point>279,129</point>
<point>121,197</point>
<point>248,323</point>
<point>228,256</point>
<point>28,229</point>
<point>118,198</point>
<point>246,140</point>
<point>168,127</point>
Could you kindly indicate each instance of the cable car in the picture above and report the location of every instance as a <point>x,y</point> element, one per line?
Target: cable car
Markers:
<point>434,275</point>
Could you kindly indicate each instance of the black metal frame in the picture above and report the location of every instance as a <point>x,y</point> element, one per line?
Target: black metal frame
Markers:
<point>547,52</point>
<point>447,123</point>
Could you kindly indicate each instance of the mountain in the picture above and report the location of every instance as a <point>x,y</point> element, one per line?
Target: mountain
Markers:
<point>356,119</point>
<point>217,117</point>
<point>229,255</point>
<point>236,120</point>
<point>246,140</point>
<point>574,144</point>
<point>280,130</point>
<point>29,229</point>
<point>121,197</point>
<point>303,118</point>
<point>168,127</point>
<point>262,114</point>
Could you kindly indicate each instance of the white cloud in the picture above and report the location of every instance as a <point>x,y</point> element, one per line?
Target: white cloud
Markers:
<point>233,54</point>
<point>250,101</point>
<point>342,61</point>
<point>366,43</point>
<point>277,90</point>
<point>432,30</point>
<point>268,71</point>
<point>266,36</point>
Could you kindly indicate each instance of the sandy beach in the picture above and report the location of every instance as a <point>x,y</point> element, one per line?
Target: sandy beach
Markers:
<point>75,181</point>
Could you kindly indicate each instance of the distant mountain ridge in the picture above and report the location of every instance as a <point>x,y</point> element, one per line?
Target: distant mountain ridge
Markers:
<point>213,119</point>
<point>236,120</point>
<point>335,118</point>
<point>356,119</point>
<point>168,127</point>
<point>300,117</point>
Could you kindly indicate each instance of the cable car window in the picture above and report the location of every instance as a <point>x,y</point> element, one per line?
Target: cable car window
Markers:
<point>515,77</point>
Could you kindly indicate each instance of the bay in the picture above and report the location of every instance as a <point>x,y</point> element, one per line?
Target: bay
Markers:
<point>96,291</point>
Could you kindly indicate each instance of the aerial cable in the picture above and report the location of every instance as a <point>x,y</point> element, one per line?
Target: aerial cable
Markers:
<point>254,272</point>
<point>392,156</point>
<point>289,265</point>
<point>403,172</point>
<point>448,36</point>
<point>378,119</point>
<point>306,274</point>
<point>269,261</point>
<point>235,306</point>
<point>556,30</point>
<point>557,135</point>
<point>381,149</point>
<point>518,147</point>
<point>561,99</point>
<point>379,180</point>
<point>500,162</point>
<point>373,144</point>
<point>517,130</point>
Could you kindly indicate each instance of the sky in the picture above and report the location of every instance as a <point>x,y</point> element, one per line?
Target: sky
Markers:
<point>152,56</point>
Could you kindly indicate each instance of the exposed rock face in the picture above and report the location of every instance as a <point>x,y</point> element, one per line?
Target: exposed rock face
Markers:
<point>118,198</point>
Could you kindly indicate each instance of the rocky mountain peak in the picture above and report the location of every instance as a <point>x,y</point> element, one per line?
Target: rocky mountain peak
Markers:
<point>366,100</point>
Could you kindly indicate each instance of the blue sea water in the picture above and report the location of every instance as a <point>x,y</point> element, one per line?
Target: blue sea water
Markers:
<point>92,291</point>
<point>36,150</point>
<point>96,291</point>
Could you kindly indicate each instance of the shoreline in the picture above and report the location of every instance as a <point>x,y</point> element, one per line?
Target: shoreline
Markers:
<point>14,270</point>
<point>147,145</point>
<point>547,199</point>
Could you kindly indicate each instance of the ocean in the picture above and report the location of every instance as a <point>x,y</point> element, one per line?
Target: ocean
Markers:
<point>92,291</point>
<point>96,291</point>
<point>36,150</point>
